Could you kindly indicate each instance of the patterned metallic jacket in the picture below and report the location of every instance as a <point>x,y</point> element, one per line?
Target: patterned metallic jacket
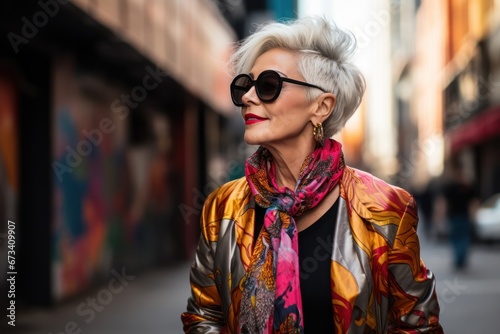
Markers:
<point>378,282</point>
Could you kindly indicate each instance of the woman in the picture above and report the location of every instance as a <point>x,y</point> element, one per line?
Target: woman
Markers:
<point>304,243</point>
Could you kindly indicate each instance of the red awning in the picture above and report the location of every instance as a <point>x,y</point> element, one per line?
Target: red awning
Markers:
<point>477,130</point>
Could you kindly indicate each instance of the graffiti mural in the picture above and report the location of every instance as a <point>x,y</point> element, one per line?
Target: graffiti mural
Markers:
<point>91,186</point>
<point>113,193</point>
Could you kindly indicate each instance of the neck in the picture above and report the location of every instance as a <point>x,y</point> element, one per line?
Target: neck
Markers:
<point>288,160</point>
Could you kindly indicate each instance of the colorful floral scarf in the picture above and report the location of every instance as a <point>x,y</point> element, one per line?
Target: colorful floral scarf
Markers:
<point>271,301</point>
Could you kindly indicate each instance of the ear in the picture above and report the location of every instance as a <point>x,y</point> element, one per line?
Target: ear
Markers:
<point>323,107</point>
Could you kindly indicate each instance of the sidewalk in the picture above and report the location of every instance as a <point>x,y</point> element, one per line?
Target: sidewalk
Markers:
<point>468,298</point>
<point>151,303</point>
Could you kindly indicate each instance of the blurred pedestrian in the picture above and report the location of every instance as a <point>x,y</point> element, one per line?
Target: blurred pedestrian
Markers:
<point>425,200</point>
<point>304,243</point>
<point>460,201</point>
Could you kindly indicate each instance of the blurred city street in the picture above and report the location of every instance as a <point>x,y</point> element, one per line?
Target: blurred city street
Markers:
<point>117,122</point>
<point>153,301</point>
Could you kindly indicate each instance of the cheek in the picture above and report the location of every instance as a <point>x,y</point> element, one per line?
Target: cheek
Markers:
<point>290,108</point>
<point>290,115</point>
<point>286,121</point>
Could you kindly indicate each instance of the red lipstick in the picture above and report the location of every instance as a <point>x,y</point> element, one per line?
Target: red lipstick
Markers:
<point>252,119</point>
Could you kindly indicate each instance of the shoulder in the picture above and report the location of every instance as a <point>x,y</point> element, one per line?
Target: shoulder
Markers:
<point>229,201</point>
<point>230,192</point>
<point>374,199</point>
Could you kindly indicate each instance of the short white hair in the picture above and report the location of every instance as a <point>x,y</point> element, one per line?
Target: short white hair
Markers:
<point>324,54</point>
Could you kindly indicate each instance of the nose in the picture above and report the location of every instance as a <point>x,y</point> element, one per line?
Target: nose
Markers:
<point>250,97</point>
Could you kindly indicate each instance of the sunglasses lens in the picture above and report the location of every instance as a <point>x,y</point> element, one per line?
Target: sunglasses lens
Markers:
<point>240,85</point>
<point>268,86</point>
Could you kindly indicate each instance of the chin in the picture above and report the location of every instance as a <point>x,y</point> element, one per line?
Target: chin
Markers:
<point>251,140</point>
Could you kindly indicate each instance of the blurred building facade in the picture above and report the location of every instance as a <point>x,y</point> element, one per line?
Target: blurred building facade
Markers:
<point>110,113</point>
<point>456,97</point>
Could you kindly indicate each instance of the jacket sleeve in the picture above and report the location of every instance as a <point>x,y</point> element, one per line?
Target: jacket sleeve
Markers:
<point>414,306</point>
<point>204,309</point>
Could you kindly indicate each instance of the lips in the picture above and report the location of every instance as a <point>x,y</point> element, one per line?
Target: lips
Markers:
<point>252,119</point>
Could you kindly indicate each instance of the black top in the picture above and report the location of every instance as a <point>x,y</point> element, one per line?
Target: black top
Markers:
<point>315,252</point>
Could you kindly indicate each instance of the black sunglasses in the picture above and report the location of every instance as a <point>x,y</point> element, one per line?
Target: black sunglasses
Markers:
<point>267,85</point>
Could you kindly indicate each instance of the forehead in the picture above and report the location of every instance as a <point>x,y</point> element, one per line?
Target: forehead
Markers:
<point>281,60</point>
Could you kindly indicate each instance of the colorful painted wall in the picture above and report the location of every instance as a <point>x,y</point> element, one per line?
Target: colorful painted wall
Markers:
<point>111,197</point>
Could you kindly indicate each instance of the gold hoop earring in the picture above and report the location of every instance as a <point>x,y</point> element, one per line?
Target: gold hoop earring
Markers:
<point>319,133</point>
